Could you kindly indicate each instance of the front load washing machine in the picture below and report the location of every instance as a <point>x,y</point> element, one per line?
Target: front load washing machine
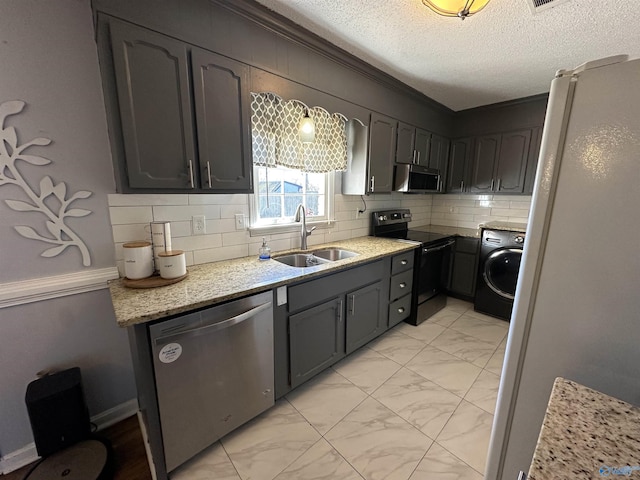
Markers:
<point>500,255</point>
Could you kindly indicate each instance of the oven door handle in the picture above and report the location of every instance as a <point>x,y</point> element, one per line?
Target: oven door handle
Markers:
<point>437,249</point>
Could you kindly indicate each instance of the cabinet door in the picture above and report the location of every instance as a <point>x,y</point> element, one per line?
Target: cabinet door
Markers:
<point>364,315</point>
<point>484,163</point>
<point>316,340</point>
<point>422,147</point>
<point>465,266</point>
<point>405,152</point>
<point>223,116</point>
<point>382,151</point>
<point>512,161</point>
<point>459,164</point>
<point>532,161</point>
<point>152,79</point>
<point>438,153</point>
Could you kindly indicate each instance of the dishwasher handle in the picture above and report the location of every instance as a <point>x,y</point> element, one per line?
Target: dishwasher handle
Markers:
<point>194,332</point>
<point>441,247</point>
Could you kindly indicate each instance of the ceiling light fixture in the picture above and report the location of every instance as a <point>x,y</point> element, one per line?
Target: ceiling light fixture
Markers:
<point>456,8</point>
<point>307,129</point>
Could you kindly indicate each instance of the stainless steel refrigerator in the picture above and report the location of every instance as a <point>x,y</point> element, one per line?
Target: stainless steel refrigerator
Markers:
<point>577,306</point>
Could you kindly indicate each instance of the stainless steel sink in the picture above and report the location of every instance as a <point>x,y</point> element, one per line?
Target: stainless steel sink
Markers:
<point>311,259</point>
<point>334,254</point>
<point>301,260</point>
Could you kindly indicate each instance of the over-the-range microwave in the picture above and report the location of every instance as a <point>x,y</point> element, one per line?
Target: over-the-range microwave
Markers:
<point>411,178</point>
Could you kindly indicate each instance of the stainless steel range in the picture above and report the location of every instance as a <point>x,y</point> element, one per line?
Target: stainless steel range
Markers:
<point>432,260</point>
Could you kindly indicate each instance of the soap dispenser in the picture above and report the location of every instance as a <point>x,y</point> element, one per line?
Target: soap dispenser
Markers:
<point>265,252</point>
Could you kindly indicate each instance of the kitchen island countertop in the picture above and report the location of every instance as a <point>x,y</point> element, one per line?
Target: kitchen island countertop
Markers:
<point>586,434</point>
<point>211,283</point>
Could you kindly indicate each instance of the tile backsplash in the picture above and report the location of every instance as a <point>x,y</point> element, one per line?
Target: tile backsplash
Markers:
<point>131,214</point>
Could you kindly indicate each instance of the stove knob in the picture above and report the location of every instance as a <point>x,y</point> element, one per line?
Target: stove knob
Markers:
<point>519,239</point>
<point>382,218</point>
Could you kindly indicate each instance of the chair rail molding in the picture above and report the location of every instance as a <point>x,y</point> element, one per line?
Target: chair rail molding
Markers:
<point>45,288</point>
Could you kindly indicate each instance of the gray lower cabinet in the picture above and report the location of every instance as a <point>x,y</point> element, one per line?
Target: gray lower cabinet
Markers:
<point>327,318</point>
<point>382,153</point>
<point>316,339</point>
<point>464,267</point>
<point>365,308</point>
<point>160,118</point>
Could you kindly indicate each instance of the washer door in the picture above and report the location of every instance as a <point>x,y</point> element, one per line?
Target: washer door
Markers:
<point>501,271</point>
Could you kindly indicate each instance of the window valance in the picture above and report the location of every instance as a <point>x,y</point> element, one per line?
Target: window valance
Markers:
<point>276,139</point>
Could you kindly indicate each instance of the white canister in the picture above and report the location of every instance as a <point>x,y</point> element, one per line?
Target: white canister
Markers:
<point>161,239</point>
<point>172,264</point>
<point>138,260</point>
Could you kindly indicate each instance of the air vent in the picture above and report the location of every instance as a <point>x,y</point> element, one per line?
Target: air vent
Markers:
<point>538,6</point>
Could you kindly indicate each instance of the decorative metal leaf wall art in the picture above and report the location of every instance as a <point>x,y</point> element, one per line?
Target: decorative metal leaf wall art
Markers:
<point>50,199</point>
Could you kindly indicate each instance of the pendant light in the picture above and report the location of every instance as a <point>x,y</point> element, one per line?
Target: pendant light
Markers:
<point>307,129</point>
<point>456,8</point>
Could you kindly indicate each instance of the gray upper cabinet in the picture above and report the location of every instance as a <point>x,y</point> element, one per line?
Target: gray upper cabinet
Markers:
<point>405,152</point>
<point>459,165</point>
<point>500,162</point>
<point>422,147</point>
<point>152,78</point>
<point>164,149</point>
<point>438,156</point>
<point>413,145</point>
<point>512,161</point>
<point>484,162</point>
<point>223,115</point>
<point>382,153</point>
<point>532,163</point>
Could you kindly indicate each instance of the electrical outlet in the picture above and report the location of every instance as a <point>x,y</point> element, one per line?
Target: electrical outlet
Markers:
<point>239,221</point>
<point>357,213</point>
<point>199,225</point>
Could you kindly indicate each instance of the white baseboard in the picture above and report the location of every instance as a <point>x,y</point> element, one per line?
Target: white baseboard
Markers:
<point>27,454</point>
<point>45,288</point>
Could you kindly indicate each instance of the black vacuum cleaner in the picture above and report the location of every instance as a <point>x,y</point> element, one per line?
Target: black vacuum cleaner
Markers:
<point>62,431</point>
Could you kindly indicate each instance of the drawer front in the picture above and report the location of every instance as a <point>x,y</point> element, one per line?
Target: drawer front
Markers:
<point>402,262</point>
<point>400,284</point>
<point>399,310</point>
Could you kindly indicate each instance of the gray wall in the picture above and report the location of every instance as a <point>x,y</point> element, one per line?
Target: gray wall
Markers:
<point>48,57</point>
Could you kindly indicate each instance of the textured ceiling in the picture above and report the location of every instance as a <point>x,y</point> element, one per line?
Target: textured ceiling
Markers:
<point>503,52</point>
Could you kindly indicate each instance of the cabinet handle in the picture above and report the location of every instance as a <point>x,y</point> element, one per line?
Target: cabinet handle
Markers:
<point>499,182</point>
<point>402,285</point>
<point>373,183</point>
<point>413,158</point>
<point>522,475</point>
<point>404,262</point>
<point>352,307</point>
<point>462,185</point>
<point>492,183</point>
<point>191,182</point>
<point>418,156</point>
<point>209,174</point>
<point>401,310</point>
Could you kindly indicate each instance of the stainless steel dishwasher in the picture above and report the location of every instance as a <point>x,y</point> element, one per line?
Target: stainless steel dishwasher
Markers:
<point>213,371</point>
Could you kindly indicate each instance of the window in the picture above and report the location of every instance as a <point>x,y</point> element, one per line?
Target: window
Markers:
<point>279,191</point>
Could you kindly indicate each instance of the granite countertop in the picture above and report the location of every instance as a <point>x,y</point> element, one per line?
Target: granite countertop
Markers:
<point>586,435</point>
<point>459,231</point>
<point>507,226</point>
<point>212,283</point>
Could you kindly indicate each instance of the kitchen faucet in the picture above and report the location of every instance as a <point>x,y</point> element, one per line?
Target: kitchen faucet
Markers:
<point>304,232</point>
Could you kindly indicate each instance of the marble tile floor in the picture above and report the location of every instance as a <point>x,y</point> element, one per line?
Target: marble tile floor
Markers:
<point>417,403</point>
